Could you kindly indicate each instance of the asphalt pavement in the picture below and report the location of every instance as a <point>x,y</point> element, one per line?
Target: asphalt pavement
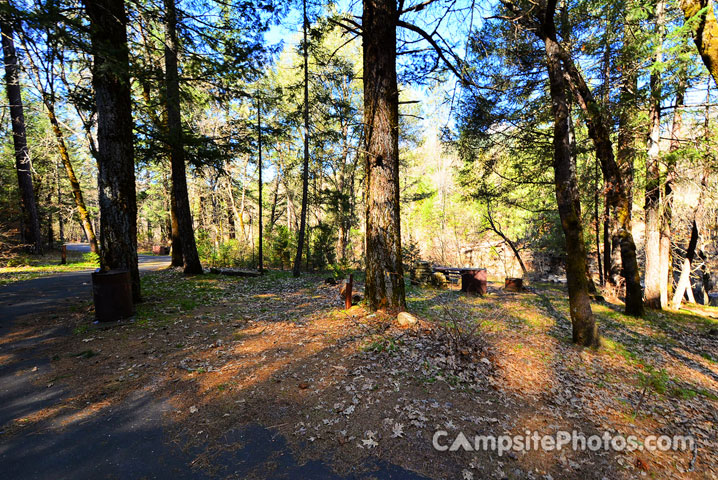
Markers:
<point>128,440</point>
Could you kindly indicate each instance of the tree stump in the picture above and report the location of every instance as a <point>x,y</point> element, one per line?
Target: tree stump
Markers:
<point>514,284</point>
<point>474,281</point>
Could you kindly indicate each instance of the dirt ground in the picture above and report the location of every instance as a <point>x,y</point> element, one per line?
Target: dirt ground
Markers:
<point>350,388</point>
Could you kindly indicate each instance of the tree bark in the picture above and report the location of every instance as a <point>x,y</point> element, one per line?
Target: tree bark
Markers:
<point>305,171</point>
<point>384,270</point>
<point>115,157</point>
<point>626,150</point>
<point>343,203</point>
<point>701,15</point>
<point>74,183</point>
<point>60,221</point>
<point>585,331</point>
<point>177,254</point>
<point>652,277</point>
<point>30,230</point>
<point>48,99</point>
<point>617,195</point>
<point>192,264</point>
<point>275,199</point>
<point>259,169</point>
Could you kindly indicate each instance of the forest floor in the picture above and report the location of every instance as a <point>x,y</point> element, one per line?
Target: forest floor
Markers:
<point>352,389</point>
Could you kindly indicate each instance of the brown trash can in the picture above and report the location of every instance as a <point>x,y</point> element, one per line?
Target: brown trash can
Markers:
<point>474,281</point>
<point>112,294</point>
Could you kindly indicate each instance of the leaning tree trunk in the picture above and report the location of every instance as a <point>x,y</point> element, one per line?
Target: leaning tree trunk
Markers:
<point>74,183</point>
<point>652,278</point>
<point>48,99</point>
<point>617,189</point>
<point>585,331</point>
<point>115,160</point>
<point>192,264</point>
<point>702,18</point>
<point>384,270</point>
<point>23,164</point>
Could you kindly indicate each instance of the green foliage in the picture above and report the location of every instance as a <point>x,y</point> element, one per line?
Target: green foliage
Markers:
<point>656,380</point>
<point>340,270</point>
<point>282,243</point>
<point>322,252</point>
<point>411,252</point>
<point>91,258</point>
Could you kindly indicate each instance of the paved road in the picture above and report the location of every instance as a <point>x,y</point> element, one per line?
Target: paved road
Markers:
<point>127,441</point>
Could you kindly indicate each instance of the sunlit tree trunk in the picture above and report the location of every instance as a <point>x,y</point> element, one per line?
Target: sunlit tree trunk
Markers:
<point>48,99</point>
<point>23,164</point>
<point>384,271</point>
<point>701,15</point>
<point>585,331</point>
<point>177,158</point>
<point>115,158</point>
<point>652,277</point>
<point>74,183</point>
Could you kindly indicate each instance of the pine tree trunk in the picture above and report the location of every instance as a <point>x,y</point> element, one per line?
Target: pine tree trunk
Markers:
<point>617,186</point>
<point>74,183</point>
<point>628,112</point>
<point>343,198</point>
<point>607,245</point>
<point>305,170</point>
<point>48,99</point>
<point>259,182</point>
<point>177,255</point>
<point>115,160</point>
<point>384,270</point>
<point>585,331</point>
<point>60,221</point>
<point>192,264</point>
<point>652,278</point>
<point>23,164</point>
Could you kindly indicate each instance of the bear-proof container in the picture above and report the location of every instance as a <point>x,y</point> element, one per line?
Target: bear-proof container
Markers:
<point>112,294</point>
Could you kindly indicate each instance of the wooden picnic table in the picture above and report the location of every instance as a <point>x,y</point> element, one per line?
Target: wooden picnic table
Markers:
<point>473,279</point>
